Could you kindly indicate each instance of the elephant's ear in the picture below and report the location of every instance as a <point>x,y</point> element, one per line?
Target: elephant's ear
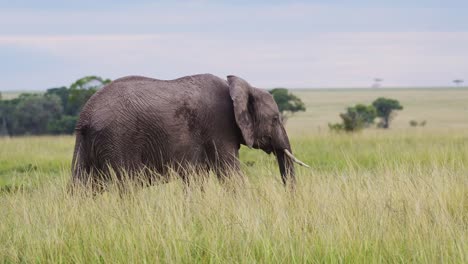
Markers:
<point>240,94</point>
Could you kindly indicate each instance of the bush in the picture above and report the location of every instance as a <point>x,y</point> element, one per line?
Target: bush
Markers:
<point>337,127</point>
<point>415,123</point>
<point>356,118</point>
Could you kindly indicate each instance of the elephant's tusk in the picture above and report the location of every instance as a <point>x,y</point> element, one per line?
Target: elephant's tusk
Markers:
<point>290,155</point>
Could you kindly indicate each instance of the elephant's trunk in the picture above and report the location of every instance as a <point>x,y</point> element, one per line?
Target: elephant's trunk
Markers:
<point>286,167</point>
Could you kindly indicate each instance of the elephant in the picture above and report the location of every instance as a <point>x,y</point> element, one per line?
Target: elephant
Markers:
<point>139,124</point>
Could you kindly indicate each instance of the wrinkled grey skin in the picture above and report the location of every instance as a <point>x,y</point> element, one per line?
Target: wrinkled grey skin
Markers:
<point>140,124</point>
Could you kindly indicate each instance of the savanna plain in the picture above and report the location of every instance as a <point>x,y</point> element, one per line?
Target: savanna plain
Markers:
<point>377,196</point>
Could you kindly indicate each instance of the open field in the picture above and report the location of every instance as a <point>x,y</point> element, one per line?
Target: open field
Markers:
<point>7,95</point>
<point>441,108</point>
<point>376,196</point>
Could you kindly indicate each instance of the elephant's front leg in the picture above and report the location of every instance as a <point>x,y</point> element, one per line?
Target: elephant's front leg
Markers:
<point>226,163</point>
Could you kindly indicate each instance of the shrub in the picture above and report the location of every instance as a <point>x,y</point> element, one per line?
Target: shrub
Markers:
<point>356,118</point>
<point>337,127</point>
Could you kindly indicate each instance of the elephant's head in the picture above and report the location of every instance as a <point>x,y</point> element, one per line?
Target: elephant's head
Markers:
<point>259,121</point>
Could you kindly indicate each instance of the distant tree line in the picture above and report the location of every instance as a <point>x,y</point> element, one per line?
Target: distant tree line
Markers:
<point>53,112</point>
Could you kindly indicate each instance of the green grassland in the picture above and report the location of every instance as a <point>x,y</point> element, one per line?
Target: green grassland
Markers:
<point>377,196</point>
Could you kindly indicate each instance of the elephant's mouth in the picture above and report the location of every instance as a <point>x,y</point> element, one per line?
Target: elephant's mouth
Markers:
<point>265,144</point>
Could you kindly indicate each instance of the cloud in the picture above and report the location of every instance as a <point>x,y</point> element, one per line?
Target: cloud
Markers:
<point>296,60</point>
<point>213,17</point>
<point>299,44</point>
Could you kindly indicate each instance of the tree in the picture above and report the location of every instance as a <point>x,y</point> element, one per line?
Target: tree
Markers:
<point>458,82</point>
<point>81,90</point>
<point>7,108</point>
<point>61,92</point>
<point>3,127</point>
<point>377,83</point>
<point>288,103</point>
<point>385,110</point>
<point>3,124</point>
<point>33,113</point>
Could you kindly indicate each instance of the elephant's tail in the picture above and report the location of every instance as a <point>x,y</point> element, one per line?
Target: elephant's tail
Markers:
<point>80,166</point>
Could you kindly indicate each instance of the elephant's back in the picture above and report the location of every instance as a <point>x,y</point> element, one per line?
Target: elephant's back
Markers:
<point>132,97</point>
<point>135,87</point>
<point>206,82</point>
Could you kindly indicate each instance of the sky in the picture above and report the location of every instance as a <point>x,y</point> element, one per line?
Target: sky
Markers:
<point>294,44</point>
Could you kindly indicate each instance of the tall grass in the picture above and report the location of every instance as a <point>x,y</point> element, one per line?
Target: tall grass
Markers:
<point>370,197</point>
